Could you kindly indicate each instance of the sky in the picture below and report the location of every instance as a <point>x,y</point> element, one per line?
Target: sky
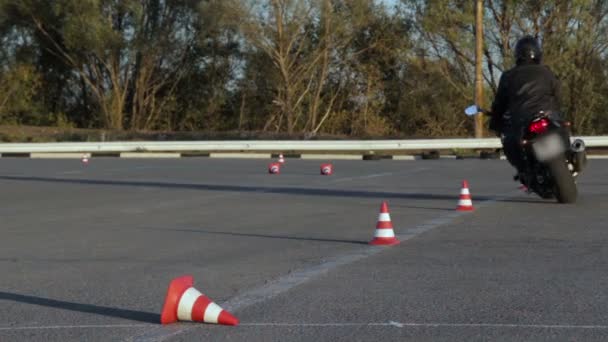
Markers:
<point>388,3</point>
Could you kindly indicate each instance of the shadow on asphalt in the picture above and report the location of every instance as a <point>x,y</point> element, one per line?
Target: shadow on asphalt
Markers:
<point>139,316</point>
<point>272,190</point>
<point>242,188</point>
<point>266,236</point>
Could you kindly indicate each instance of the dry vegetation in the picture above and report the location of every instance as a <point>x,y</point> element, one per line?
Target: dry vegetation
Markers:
<point>301,68</point>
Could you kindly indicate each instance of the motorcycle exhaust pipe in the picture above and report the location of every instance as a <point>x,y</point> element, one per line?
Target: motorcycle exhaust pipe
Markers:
<point>579,155</point>
<point>578,145</point>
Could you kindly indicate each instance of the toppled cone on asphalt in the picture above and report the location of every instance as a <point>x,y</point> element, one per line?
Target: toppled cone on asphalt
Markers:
<point>384,235</point>
<point>465,203</point>
<point>274,168</point>
<point>327,169</point>
<point>185,303</point>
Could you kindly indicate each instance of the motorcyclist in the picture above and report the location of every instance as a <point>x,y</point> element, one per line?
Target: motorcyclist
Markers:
<point>523,91</point>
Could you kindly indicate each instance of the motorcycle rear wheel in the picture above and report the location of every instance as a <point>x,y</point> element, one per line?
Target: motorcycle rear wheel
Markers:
<point>565,187</point>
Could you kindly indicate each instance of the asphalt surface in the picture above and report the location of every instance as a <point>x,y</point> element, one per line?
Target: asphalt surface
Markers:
<point>87,252</point>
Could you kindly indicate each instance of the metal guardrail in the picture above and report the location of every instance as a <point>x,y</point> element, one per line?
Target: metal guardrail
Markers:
<point>266,145</point>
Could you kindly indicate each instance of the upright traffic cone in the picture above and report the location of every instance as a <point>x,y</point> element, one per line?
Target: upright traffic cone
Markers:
<point>281,158</point>
<point>465,203</point>
<point>185,303</point>
<point>274,168</point>
<point>384,234</point>
<point>85,158</point>
<point>327,169</point>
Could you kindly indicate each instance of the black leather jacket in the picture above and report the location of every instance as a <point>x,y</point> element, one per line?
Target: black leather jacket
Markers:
<point>522,92</point>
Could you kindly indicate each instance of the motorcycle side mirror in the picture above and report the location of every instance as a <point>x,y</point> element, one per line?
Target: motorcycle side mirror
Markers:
<point>472,110</point>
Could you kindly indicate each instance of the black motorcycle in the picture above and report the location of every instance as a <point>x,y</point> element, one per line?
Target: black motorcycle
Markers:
<point>551,161</point>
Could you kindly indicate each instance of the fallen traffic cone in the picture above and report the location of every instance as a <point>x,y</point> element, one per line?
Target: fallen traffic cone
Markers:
<point>465,203</point>
<point>384,234</point>
<point>327,169</point>
<point>281,158</point>
<point>274,168</point>
<point>185,303</point>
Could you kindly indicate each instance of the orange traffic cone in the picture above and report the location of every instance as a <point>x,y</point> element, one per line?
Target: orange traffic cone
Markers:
<point>327,169</point>
<point>281,158</point>
<point>465,203</point>
<point>274,168</point>
<point>384,234</point>
<point>185,303</point>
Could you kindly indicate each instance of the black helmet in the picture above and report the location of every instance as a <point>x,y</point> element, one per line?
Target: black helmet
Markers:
<point>527,50</point>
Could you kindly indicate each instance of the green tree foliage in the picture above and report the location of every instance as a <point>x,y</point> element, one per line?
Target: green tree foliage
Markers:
<point>307,67</point>
<point>573,33</point>
<point>18,87</point>
<point>121,59</point>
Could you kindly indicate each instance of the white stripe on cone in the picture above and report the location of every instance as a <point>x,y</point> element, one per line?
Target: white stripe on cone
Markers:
<point>212,313</point>
<point>186,303</point>
<point>186,307</point>
<point>384,217</point>
<point>384,233</point>
<point>465,202</point>
<point>465,191</point>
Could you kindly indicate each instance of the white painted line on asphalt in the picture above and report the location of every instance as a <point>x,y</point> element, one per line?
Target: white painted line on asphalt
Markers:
<point>429,325</point>
<point>121,170</point>
<point>285,283</point>
<point>376,175</point>
<point>73,172</point>
<point>396,324</point>
<point>326,325</point>
<point>349,179</point>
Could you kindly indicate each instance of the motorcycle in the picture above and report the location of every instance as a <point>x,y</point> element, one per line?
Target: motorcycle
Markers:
<point>551,161</point>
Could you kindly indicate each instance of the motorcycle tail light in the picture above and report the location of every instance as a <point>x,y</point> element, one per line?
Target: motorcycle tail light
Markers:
<point>539,126</point>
